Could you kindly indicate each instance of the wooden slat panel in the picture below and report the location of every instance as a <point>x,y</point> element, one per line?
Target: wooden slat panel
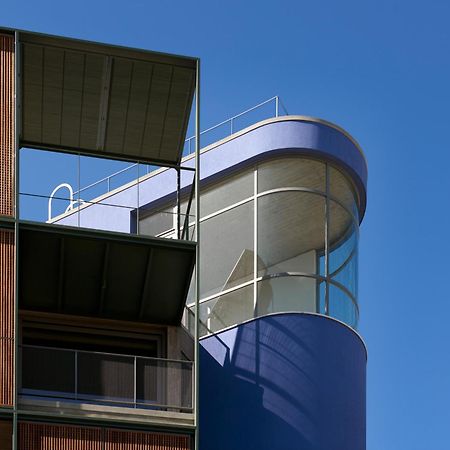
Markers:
<point>6,317</point>
<point>5,434</point>
<point>39,436</point>
<point>6,125</point>
<point>131,440</point>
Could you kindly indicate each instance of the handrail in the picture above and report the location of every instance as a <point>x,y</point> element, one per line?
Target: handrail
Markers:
<point>74,390</point>
<point>43,347</point>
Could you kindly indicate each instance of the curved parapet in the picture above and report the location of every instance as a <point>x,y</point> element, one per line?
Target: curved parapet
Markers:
<point>283,381</point>
<point>286,135</point>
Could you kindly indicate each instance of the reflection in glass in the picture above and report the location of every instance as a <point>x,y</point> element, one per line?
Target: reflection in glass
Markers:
<point>341,306</point>
<point>291,232</point>
<point>228,239</point>
<point>343,247</point>
<point>291,172</point>
<point>228,309</point>
<point>286,293</point>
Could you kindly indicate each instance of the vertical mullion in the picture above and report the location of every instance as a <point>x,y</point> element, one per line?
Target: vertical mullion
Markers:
<point>327,242</point>
<point>255,241</point>
<point>17,99</point>
<point>138,197</point>
<point>197,253</point>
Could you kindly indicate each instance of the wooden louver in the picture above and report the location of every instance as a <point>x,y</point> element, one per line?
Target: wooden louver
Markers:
<point>6,317</point>
<point>66,437</point>
<point>6,124</point>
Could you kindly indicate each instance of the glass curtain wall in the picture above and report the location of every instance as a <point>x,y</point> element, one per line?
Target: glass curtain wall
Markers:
<point>281,236</point>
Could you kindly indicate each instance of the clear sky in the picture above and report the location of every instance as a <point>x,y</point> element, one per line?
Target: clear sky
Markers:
<point>381,70</point>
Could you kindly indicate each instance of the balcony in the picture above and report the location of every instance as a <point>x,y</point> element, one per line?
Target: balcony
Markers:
<point>115,382</point>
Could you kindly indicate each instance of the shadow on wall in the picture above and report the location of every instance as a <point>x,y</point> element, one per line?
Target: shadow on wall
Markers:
<point>287,381</point>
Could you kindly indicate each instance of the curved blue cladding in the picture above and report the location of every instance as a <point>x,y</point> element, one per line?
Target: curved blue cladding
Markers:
<point>286,135</point>
<point>286,381</point>
<point>296,135</point>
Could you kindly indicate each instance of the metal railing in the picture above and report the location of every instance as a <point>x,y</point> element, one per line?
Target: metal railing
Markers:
<point>230,125</point>
<point>231,122</point>
<point>107,378</point>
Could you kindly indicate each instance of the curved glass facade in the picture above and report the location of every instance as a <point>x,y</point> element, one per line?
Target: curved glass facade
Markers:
<point>279,236</point>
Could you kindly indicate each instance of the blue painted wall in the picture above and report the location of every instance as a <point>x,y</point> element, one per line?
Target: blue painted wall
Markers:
<point>283,136</point>
<point>285,381</point>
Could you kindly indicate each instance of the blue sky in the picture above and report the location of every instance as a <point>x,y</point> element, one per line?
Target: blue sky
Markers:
<point>382,71</point>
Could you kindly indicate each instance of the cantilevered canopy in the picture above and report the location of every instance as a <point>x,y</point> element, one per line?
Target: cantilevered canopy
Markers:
<point>104,100</point>
<point>108,275</point>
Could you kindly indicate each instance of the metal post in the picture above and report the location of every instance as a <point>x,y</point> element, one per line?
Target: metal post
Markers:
<point>76,375</point>
<point>109,183</point>
<point>178,202</point>
<point>197,253</point>
<point>255,242</point>
<point>17,132</point>
<point>231,125</point>
<point>79,188</point>
<point>276,106</point>
<point>327,249</point>
<point>138,200</point>
<point>134,383</point>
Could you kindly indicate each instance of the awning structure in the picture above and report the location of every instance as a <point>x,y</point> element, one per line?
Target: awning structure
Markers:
<point>98,274</point>
<point>104,100</point>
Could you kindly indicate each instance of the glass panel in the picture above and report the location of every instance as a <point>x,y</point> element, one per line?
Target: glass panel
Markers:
<point>105,377</point>
<point>343,256</point>
<point>287,293</point>
<point>342,307</point>
<point>220,195</point>
<point>342,189</point>
<point>227,240</point>
<point>291,232</point>
<point>348,275</point>
<point>321,293</point>
<point>157,222</point>
<point>49,370</point>
<point>291,172</point>
<point>228,309</point>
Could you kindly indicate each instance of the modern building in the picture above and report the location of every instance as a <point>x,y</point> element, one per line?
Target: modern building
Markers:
<point>150,317</point>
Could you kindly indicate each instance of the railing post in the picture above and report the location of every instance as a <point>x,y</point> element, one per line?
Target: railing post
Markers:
<point>231,125</point>
<point>134,384</point>
<point>109,183</point>
<point>193,385</point>
<point>76,375</point>
<point>276,106</point>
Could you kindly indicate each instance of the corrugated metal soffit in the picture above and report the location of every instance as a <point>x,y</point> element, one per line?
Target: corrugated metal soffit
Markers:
<point>6,125</point>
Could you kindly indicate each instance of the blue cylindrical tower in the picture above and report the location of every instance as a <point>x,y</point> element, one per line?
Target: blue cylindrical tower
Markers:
<point>281,363</point>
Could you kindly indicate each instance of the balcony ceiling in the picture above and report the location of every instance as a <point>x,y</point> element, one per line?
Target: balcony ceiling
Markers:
<point>99,274</point>
<point>104,100</point>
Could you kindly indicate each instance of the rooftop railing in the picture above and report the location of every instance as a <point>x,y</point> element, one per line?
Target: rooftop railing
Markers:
<point>107,378</point>
<point>273,107</point>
